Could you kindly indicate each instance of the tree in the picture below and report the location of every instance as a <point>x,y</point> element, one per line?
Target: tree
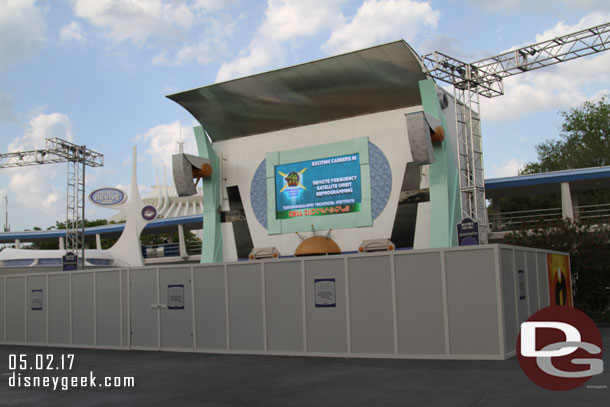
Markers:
<point>88,223</point>
<point>589,248</point>
<point>54,245</point>
<point>585,140</point>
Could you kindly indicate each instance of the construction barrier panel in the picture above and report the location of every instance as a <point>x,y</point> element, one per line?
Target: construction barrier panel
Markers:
<point>454,303</point>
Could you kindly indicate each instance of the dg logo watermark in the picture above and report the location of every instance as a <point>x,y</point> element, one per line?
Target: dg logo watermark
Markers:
<point>560,348</point>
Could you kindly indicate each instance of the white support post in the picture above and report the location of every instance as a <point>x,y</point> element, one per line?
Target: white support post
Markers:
<point>61,243</point>
<point>94,276</point>
<point>98,241</point>
<point>538,282</point>
<point>499,303</point>
<point>347,307</point>
<point>303,305</point>
<point>227,310</point>
<point>46,306</point>
<point>4,309</point>
<point>575,205</point>
<point>394,307</point>
<point>264,306</point>
<point>193,309</point>
<point>70,304</point>
<point>567,210</point>
<point>516,293</point>
<point>445,303</point>
<point>17,244</point>
<point>121,308</point>
<point>158,310</point>
<point>182,242</point>
<point>25,305</point>
<point>129,331</point>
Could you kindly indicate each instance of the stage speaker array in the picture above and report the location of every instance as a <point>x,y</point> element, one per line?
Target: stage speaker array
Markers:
<point>188,170</point>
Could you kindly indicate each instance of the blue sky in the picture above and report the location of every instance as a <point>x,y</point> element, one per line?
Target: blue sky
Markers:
<point>97,71</point>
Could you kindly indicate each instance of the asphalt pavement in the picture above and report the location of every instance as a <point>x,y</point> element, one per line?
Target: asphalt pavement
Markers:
<point>193,379</point>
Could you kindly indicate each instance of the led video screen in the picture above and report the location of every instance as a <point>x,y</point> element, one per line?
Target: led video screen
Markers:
<point>324,186</point>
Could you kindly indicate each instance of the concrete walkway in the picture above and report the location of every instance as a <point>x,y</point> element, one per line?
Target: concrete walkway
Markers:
<point>185,379</point>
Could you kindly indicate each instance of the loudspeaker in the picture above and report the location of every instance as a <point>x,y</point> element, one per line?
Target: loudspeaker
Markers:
<point>186,168</point>
<point>422,130</point>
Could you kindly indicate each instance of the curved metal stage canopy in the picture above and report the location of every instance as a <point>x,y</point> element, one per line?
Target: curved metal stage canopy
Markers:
<point>376,79</point>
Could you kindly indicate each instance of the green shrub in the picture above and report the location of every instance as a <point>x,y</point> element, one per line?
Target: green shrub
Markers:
<point>589,248</point>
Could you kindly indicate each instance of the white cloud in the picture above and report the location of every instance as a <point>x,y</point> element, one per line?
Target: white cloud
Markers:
<point>212,45</point>
<point>213,5</point>
<point>136,20</point>
<point>161,141</point>
<point>41,127</point>
<point>284,21</point>
<point>557,87</point>
<point>144,190</point>
<point>378,21</point>
<point>287,20</point>
<point>448,46</point>
<point>72,32</point>
<point>34,190</point>
<point>258,56</point>
<point>508,168</point>
<point>545,5</point>
<point>590,20</point>
<point>22,27</point>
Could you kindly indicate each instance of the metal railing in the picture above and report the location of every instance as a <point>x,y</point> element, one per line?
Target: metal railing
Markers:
<point>160,250</point>
<point>193,247</point>
<point>537,218</point>
<point>169,249</point>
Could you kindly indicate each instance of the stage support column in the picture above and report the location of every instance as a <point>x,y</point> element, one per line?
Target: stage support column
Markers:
<point>444,177</point>
<point>211,249</point>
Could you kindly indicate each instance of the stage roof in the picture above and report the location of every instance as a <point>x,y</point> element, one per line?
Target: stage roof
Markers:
<point>371,80</point>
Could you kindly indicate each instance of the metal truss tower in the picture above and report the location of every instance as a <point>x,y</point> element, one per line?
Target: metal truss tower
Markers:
<point>484,78</point>
<point>77,157</point>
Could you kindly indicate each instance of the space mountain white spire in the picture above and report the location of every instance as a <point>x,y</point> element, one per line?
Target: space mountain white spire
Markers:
<point>126,251</point>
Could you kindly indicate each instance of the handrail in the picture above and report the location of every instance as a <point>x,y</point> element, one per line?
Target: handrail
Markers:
<point>506,221</point>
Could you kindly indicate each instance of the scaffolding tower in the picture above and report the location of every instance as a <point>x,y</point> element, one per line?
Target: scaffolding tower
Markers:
<point>485,78</point>
<point>77,158</point>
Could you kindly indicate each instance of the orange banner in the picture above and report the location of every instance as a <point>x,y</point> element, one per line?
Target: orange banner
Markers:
<point>560,282</point>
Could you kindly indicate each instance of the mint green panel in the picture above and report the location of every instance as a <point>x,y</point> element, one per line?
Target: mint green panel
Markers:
<point>444,178</point>
<point>211,249</point>
<point>337,221</point>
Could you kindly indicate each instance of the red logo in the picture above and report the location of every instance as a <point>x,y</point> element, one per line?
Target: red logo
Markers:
<point>560,348</point>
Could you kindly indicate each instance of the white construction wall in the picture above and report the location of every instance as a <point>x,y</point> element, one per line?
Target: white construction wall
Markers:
<point>455,303</point>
